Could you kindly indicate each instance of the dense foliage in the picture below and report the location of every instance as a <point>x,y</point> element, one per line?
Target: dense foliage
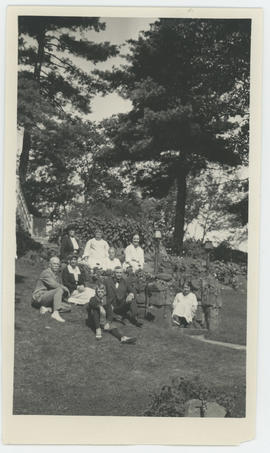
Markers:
<point>187,80</point>
<point>116,231</point>
<point>54,99</point>
<point>24,242</point>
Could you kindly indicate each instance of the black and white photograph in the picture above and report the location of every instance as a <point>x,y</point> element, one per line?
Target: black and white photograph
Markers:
<point>132,215</point>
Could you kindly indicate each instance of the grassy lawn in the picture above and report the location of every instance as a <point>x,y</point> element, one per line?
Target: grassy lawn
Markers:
<point>60,369</point>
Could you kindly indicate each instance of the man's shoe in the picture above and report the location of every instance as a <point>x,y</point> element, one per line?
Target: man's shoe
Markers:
<point>98,334</point>
<point>119,318</point>
<point>57,317</point>
<point>64,310</point>
<point>128,340</point>
<point>44,310</point>
<point>107,326</point>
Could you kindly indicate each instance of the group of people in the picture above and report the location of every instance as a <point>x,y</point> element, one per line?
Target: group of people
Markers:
<point>98,254</point>
<point>114,298</point>
<point>110,300</point>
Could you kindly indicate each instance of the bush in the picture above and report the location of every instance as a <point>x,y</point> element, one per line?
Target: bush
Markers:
<point>24,242</point>
<point>225,253</point>
<point>171,400</point>
<point>116,231</point>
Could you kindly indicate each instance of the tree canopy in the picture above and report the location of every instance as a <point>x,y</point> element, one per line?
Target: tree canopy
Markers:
<point>188,81</point>
<point>54,97</point>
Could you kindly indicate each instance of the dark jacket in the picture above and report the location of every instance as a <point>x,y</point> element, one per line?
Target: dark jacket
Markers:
<point>117,296</point>
<point>95,303</point>
<point>66,247</point>
<point>69,280</point>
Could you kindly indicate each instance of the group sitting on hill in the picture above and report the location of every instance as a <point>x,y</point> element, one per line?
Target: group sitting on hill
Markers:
<point>117,295</point>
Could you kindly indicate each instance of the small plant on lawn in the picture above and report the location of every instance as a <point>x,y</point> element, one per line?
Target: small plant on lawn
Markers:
<point>172,399</point>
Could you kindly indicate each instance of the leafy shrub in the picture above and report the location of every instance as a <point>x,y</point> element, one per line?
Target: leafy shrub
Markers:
<point>226,254</point>
<point>171,400</point>
<point>116,231</point>
<point>24,242</point>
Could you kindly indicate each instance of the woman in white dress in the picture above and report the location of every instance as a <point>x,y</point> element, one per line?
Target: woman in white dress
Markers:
<point>184,307</point>
<point>134,255</point>
<point>112,262</point>
<point>96,251</point>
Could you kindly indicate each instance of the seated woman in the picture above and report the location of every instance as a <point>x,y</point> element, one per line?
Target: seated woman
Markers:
<point>96,251</point>
<point>111,261</point>
<point>98,312</point>
<point>134,254</point>
<point>74,279</point>
<point>184,306</point>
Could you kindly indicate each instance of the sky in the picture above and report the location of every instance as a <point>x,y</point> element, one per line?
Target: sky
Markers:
<point>118,31</point>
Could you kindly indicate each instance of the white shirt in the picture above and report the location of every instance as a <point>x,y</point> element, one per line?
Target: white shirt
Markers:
<point>74,243</point>
<point>185,306</point>
<point>75,271</point>
<point>112,264</point>
<point>96,252</point>
<point>134,256</point>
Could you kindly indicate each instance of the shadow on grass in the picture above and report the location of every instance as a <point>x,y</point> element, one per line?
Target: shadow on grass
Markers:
<point>19,278</point>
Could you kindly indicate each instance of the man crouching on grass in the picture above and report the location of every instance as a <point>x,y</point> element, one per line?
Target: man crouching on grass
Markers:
<point>100,315</point>
<point>49,291</point>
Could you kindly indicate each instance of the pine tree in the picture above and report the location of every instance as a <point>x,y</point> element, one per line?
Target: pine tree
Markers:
<point>53,91</point>
<point>186,79</point>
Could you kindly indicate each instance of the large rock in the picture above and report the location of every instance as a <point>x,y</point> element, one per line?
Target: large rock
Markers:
<point>214,410</point>
<point>193,408</point>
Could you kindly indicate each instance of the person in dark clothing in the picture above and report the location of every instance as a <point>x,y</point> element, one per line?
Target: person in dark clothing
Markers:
<point>74,279</point>
<point>97,312</point>
<point>120,298</point>
<point>69,244</point>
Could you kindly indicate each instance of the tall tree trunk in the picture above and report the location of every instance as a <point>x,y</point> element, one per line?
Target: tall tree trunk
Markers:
<point>40,54</point>
<point>24,156</point>
<point>181,196</point>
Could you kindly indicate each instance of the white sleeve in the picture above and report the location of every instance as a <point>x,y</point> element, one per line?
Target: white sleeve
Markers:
<point>194,302</point>
<point>128,254</point>
<point>86,252</point>
<point>176,300</point>
<point>142,258</point>
<point>106,249</point>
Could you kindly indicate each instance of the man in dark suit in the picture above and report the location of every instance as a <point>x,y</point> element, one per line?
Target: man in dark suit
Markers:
<point>120,298</point>
<point>69,244</point>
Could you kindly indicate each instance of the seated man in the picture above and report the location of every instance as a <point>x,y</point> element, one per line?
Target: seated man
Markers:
<point>49,291</point>
<point>120,298</point>
<point>97,315</point>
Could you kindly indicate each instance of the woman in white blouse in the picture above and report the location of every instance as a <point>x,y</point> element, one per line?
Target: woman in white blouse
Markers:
<point>96,251</point>
<point>134,255</point>
<point>184,306</point>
